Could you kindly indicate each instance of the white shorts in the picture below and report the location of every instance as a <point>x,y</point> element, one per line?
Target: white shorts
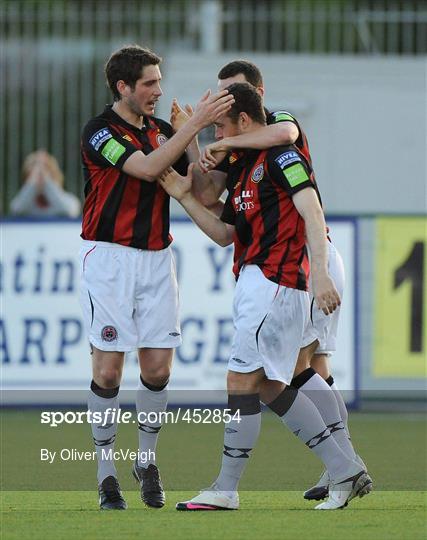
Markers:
<point>129,297</point>
<point>323,327</point>
<point>269,322</point>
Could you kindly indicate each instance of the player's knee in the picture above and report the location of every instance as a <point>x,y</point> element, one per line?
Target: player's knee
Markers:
<point>320,364</point>
<point>242,382</point>
<point>304,357</point>
<point>301,365</point>
<point>269,390</point>
<point>158,376</point>
<point>108,377</point>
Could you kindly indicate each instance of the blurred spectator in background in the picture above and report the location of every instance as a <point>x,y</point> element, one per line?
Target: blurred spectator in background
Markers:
<point>43,193</point>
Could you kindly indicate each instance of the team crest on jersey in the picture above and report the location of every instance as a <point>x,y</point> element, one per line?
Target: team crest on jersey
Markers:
<point>109,333</point>
<point>161,139</point>
<point>258,174</point>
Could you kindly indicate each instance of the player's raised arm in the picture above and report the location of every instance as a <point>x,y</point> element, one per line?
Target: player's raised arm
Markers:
<point>179,187</point>
<point>148,167</point>
<point>207,187</point>
<point>259,139</point>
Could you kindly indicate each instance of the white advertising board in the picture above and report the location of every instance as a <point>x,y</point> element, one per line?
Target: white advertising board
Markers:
<point>42,341</point>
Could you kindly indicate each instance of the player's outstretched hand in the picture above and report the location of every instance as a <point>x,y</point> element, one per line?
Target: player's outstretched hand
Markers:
<point>174,184</point>
<point>326,294</point>
<point>180,116</point>
<point>211,155</point>
<point>211,107</point>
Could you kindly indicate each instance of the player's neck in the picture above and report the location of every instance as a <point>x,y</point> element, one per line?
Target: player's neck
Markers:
<point>251,127</point>
<point>123,110</point>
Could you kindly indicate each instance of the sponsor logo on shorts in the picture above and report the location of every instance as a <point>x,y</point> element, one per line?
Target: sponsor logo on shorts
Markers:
<point>287,158</point>
<point>161,139</point>
<point>174,334</point>
<point>230,430</point>
<point>127,137</point>
<point>109,333</point>
<point>238,361</point>
<point>258,174</point>
<point>100,137</point>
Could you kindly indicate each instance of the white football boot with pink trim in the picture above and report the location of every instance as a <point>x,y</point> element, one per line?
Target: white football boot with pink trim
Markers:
<point>211,499</point>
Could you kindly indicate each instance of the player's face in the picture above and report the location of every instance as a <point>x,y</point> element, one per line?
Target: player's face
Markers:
<point>224,83</point>
<point>224,127</point>
<point>142,100</point>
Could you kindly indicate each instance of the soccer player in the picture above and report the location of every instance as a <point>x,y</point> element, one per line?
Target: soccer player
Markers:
<point>319,341</point>
<point>271,210</point>
<point>128,282</point>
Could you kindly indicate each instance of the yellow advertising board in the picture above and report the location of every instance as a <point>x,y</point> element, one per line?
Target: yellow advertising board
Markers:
<point>400,288</point>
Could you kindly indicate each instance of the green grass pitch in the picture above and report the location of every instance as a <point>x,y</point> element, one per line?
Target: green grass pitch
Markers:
<point>59,501</point>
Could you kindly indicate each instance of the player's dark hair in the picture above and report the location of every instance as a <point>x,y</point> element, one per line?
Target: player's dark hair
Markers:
<point>247,100</point>
<point>250,71</point>
<point>127,65</point>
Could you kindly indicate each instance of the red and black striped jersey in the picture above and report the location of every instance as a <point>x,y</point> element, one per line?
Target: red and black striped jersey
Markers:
<point>274,118</point>
<point>120,208</point>
<point>269,231</point>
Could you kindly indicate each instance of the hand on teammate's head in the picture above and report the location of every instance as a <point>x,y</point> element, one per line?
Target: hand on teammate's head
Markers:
<point>211,107</point>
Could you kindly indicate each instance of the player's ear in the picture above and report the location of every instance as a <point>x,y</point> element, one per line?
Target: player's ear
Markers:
<point>122,87</point>
<point>243,120</point>
<point>260,90</point>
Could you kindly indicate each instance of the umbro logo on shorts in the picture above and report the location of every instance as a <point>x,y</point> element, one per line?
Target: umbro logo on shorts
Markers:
<point>109,333</point>
<point>238,360</point>
<point>174,334</point>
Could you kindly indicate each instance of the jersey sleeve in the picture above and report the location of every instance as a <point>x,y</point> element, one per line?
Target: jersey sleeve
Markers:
<point>228,214</point>
<point>285,116</point>
<point>103,146</point>
<point>281,116</point>
<point>288,169</point>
